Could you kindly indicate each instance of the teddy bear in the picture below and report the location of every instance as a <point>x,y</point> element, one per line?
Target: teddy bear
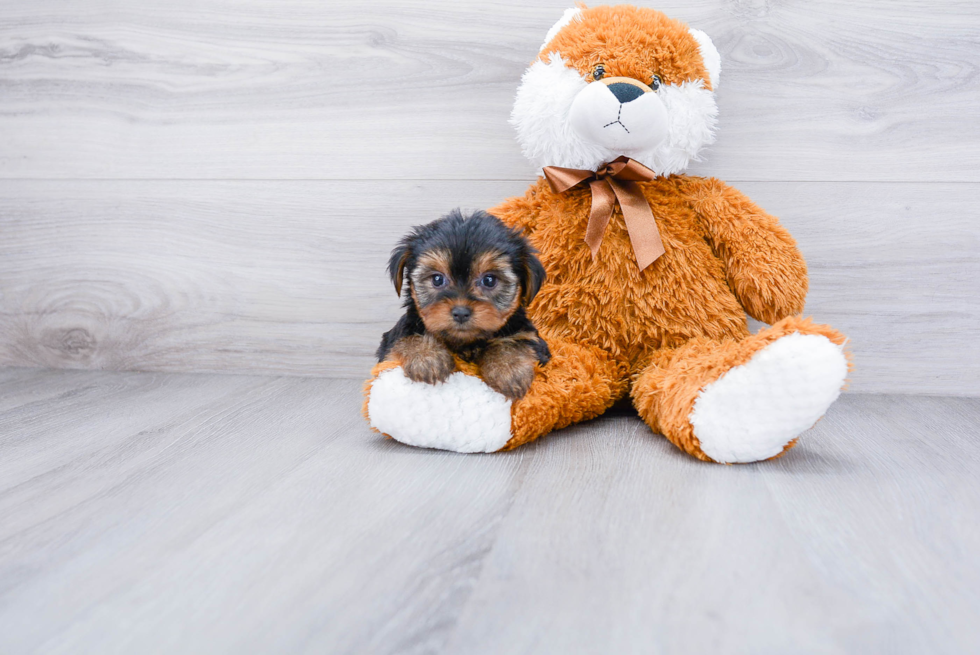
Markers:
<point>650,271</point>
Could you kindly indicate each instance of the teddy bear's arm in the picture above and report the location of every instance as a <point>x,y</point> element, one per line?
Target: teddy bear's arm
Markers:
<point>765,269</point>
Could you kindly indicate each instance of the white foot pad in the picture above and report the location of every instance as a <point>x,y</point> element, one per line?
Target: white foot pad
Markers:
<point>752,411</point>
<point>461,414</point>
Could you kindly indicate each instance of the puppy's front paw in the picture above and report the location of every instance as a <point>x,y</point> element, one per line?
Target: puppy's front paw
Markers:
<point>508,369</point>
<point>424,359</point>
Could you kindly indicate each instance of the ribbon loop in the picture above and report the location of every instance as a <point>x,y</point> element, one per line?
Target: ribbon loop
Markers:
<point>612,182</point>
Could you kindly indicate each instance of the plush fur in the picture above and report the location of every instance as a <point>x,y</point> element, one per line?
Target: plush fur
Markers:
<point>673,337</point>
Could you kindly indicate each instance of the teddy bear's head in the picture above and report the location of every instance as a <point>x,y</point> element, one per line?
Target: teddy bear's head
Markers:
<point>622,80</point>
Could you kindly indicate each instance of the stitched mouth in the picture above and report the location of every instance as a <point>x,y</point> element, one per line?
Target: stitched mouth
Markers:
<point>618,121</point>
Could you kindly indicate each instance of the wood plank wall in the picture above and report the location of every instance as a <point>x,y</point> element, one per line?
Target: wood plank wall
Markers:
<point>209,185</point>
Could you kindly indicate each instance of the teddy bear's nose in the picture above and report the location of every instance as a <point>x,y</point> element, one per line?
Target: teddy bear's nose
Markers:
<point>625,92</point>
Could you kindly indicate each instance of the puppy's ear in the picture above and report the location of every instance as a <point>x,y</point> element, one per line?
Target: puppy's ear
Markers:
<point>399,258</point>
<point>535,277</point>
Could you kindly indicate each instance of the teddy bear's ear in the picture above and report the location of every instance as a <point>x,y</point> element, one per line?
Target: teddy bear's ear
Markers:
<point>712,60</point>
<point>566,18</point>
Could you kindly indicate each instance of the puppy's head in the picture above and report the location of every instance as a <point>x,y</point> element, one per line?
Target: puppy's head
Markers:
<point>619,80</point>
<point>467,275</point>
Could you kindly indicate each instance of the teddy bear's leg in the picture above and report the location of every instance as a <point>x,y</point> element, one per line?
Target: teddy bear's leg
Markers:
<point>743,400</point>
<point>580,382</point>
<point>463,414</point>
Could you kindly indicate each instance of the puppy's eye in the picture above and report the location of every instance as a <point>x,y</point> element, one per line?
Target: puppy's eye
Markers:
<point>598,72</point>
<point>656,82</point>
<point>489,280</point>
<point>438,280</point>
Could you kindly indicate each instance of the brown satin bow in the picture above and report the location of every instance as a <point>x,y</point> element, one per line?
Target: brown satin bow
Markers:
<point>615,180</point>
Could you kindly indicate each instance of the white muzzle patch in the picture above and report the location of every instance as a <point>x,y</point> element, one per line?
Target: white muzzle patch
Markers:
<point>602,119</point>
<point>563,120</point>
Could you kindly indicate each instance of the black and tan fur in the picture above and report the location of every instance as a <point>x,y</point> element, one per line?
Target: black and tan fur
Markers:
<point>469,279</point>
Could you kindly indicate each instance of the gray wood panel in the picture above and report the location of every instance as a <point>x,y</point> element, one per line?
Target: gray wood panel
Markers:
<point>398,89</point>
<point>288,277</point>
<point>159,513</point>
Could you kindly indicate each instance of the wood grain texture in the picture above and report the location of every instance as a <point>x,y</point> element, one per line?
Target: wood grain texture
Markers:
<point>288,277</point>
<point>159,513</point>
<point>191,185</point>
<point>402,89</point>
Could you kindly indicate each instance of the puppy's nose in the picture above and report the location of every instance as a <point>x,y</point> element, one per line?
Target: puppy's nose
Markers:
<point>461,314</point>
<point>625,92</point>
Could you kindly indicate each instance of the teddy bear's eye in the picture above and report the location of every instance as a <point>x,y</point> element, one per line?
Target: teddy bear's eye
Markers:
<point>598,72</point>
<point>655,82</point>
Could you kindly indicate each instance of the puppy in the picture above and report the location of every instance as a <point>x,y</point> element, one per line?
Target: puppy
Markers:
<point>469,280</point>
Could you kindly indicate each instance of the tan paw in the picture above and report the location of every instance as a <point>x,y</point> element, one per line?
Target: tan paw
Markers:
<point>424,359</point>
<point>508,368</point>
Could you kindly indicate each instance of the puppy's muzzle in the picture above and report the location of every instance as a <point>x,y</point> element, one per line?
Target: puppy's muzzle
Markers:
<point>461,314</point>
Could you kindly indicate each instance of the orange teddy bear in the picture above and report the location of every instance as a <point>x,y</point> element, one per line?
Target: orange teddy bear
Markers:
<point>650,272</point>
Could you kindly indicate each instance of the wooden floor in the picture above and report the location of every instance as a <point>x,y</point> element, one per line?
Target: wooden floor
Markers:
<point>151,512</point>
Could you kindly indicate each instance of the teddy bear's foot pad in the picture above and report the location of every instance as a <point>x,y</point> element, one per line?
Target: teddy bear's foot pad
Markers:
<point>754,410</point>
<point>461,414</point>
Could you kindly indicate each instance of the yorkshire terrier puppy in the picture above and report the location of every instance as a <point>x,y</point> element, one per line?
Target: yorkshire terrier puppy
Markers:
<point>469,280</point>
